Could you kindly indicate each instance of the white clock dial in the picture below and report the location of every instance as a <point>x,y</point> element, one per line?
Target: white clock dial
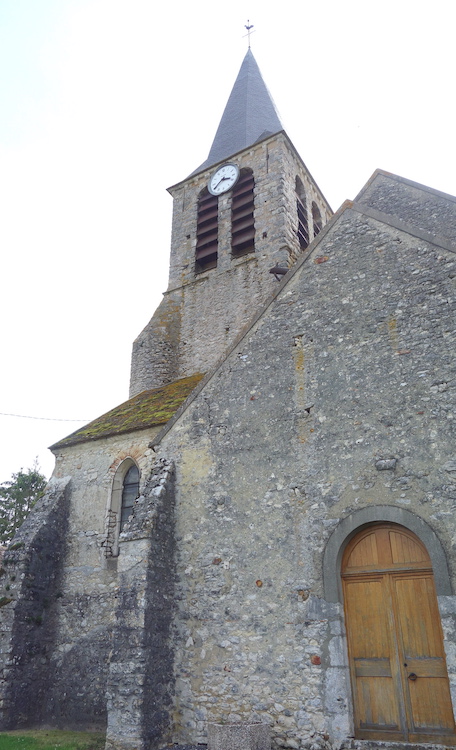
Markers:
<point>223,179</point>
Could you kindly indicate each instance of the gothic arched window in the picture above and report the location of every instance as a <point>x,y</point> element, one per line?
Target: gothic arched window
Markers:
<point>206,232</point>
<point>242,218</point>
<point>301,206</point>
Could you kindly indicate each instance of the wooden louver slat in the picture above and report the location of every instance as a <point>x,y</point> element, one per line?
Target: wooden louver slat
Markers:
<point>206,252</point>
<point>244,223</point>
<point>243,200</point>
<point>241,238</point>
<point>244,211</point>
<point>242,216</point>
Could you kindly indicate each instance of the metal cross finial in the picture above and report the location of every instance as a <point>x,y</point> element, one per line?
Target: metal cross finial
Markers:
<point>249,27</point>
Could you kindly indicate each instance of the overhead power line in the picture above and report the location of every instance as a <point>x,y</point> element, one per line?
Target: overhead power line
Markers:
<point>46,419</point>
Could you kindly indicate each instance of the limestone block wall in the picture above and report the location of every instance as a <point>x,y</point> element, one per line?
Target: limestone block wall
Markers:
<point>141,681</point>
<point>202,314</point>
<point>155,355</point>
<point>429,210</point>
<point>84,611</point>
<point>341,398</point>
<point>275,165</point>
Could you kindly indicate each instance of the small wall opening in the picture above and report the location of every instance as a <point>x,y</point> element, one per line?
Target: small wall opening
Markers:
<point>316,219</point>
<point>301,207</point>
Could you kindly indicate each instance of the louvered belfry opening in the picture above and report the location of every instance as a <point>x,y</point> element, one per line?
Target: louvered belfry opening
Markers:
<point>242,219</point>
<point>301,207</point>
<point>206,232</point>
<point>316,218</point>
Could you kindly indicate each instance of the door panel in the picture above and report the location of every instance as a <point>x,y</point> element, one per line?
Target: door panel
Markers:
<point>406,550</point>
<point>428,696</point>
<point>376,702</point>
<point>397,661</point>
<point>365,553</point>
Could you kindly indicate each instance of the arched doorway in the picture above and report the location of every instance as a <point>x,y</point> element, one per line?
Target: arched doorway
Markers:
<point>397,662</point>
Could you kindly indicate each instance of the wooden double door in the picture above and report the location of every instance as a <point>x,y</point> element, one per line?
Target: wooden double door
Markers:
<point>397,662</point>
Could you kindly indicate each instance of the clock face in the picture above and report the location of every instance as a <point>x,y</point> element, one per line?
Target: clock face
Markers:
<point>223,179</point>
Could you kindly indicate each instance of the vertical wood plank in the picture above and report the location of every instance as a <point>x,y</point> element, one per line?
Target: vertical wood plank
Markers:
<point>394,630</point>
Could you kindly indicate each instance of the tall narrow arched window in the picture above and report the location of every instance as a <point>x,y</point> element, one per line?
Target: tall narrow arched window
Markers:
<point>206,232</point>
<point>301,207</point>
<point>316,219</point>
<point>125,490</point>
<point>130,491</point>
<point>242,215</point>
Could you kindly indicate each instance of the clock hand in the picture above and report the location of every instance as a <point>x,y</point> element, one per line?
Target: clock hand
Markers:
<point>218,183</point>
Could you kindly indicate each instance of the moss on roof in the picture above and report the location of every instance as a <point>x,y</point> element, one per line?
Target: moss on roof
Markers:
<point>147,409</point>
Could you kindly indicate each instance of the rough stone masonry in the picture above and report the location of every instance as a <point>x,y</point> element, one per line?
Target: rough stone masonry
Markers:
<point>327,408</point>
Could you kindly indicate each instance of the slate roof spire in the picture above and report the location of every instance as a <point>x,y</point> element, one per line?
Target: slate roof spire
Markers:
<point>249,115</point>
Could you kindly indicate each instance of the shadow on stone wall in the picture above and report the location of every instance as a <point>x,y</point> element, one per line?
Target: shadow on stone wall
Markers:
<point>32,570</point>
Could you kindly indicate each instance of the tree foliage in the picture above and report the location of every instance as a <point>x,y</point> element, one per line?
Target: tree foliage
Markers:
<point>17,498</point>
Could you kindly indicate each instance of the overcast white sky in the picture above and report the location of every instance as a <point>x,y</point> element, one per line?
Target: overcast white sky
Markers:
<point>105,103</point>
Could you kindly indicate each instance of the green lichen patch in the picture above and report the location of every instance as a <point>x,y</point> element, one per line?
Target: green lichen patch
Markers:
<point>147,409</point>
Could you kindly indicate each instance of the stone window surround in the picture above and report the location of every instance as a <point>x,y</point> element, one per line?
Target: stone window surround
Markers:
<point>115,500</point>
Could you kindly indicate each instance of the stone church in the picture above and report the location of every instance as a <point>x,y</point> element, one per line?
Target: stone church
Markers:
<point>265,531</point>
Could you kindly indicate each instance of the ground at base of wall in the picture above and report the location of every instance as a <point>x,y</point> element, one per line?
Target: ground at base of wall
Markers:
<point>51,739</point>
<point>376,745</point>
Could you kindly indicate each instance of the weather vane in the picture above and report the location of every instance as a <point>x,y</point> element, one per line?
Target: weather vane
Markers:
<point>249,27</point>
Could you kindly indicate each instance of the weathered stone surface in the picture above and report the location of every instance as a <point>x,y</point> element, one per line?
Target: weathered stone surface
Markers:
<point>140,684</point>
<point>242,736</point>
<point>428,210</point>
<point>200,316</point>
<point>336,409</point>
<point>280,444</point>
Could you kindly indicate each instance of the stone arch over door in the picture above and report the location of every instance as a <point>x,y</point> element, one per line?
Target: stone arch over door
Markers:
<point>353,523</point>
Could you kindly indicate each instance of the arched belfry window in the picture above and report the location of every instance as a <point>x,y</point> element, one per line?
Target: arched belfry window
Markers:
<point>316,219</point>
<point>242,217</point>
<point>206,232</point>
<point>301,207</point>
<point>125,490</point>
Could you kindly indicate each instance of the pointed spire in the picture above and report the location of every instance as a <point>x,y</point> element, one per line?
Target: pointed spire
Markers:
<point>249,115</point>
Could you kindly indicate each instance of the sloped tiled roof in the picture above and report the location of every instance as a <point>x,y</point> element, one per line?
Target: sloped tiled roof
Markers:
<point>147,409</point>
<point>250,115</point>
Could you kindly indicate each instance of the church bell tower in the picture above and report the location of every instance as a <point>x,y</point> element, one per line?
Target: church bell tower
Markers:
<point>251,206</point>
